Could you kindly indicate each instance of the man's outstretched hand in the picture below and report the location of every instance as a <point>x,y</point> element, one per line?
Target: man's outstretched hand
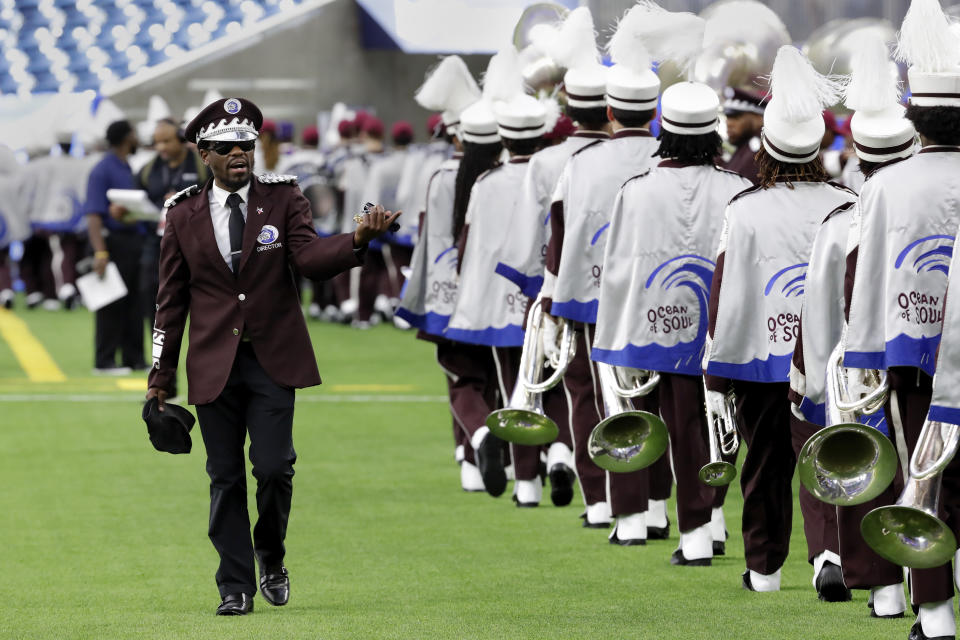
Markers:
<point>374,224</point>
<point>159,394</point>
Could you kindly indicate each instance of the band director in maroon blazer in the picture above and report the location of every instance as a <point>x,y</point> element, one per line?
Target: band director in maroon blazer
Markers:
<point>225,261</point>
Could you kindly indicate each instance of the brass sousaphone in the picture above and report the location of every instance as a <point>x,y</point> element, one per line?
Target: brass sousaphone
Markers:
<point>627,439</point>
<point>523,420</point>
<point>848,463</point>
<point>909,533</point>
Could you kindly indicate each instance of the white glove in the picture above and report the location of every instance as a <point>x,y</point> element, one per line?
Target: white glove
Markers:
<point>549,334</point>
<point>716,401</point>
<point>860,382</point>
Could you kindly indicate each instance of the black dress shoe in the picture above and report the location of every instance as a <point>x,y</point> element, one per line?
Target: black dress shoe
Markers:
<point>629,542</point>
<point>561,484</point>
<point>491,465</point>
<point>747,583</point>
<point>235,604</point>
<point>275,587</point>
<point>679,560</point>
<point>719,548</point>
<point>916,633</point>
<point>830,586</point>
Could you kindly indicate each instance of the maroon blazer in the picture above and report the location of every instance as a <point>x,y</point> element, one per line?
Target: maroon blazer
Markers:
<point>260,303</point>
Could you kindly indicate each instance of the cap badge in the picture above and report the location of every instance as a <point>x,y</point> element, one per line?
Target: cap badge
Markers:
<point>232,106</point>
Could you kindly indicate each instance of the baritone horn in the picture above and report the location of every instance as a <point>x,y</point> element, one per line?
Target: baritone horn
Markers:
<point>627,439</point>
<point>848,463</point>
<point>723,442</point>
<point>523,420</point>
<point>909,533</point>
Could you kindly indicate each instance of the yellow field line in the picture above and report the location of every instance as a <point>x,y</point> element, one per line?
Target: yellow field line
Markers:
<point>33,357</point>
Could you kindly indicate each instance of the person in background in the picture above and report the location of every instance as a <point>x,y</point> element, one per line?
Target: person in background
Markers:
<point>176,166</point>
<point>744,115</point>
<point>119,325</point>
<point>833,159</point>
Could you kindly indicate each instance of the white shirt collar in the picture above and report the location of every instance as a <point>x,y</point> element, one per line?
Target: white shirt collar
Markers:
<point>220,195</point>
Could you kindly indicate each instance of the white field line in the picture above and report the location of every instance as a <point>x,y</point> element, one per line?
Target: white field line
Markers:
<point>124,398</point>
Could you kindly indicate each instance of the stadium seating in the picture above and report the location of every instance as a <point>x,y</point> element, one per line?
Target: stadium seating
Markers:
<point>75,45</point>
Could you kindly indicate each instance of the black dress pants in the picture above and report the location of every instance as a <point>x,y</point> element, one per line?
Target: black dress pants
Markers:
<point>119,325</point>
<point>251,402</point>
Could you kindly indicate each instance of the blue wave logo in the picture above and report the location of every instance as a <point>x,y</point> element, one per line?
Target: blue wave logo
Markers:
<point>691,271</point>
<point>931,253</point>
<point>599,233</point>
<point>790,280</point>
<point>451,252</point>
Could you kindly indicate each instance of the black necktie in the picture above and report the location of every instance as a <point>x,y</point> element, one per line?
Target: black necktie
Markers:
<point>236,230</point>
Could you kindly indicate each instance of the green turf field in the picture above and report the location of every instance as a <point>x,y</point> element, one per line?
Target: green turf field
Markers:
<point>103,537</point>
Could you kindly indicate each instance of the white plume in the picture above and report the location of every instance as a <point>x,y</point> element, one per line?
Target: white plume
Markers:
<point>667,35</point>
<point>799,92</point>
<point>738,20</point>
<point>503,81</point>
<point>552,108</point>
<point>926,40</point>
<point>571,43</point>
<point>626,47</point>
<point>448,86</point>
<point>873,81</point>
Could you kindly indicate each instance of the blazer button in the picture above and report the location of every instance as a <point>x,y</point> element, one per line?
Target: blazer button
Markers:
<point>242,297</point>
<point>236,332</point>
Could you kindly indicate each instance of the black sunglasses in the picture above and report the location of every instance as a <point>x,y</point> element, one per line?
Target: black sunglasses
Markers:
<point>224,148</point>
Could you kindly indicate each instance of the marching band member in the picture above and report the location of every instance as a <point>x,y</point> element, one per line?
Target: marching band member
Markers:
<point>654,288</point>
<point>579,217</point>
<point>523,252</point>
<point>490,311</point>
<point>882,136</point>
<point>431,290</point>
<point>744,118</point>
<point>755,304</point>
<point>908,218</point>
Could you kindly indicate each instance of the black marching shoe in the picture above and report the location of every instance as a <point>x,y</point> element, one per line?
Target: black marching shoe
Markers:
<point>491,465</point>
<point>873,613</point>
<point>235,604</point>
<point>916,633</point>
<point>594,525</point>
<point>747,583</point>
<point>659,533</point>
<point>275,587</point>
<point>830,586</point>
<point>561,484</point>
<point>679,560</point>
<point>525,505</point>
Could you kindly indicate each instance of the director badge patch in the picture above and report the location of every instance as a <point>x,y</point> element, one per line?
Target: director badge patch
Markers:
<point>268,237</point>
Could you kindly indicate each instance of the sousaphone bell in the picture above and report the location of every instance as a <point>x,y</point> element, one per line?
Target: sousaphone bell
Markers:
<point>627,439</point>
<point>848,463</point>
<point>523,420</point>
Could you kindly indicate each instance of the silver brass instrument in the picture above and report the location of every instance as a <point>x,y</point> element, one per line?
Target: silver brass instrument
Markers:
<point>848,463</point>
<point>523,420</point>
<point>539,71</point>
<point>723,442</point>
<point>627,439</point>
<point>909,533</point>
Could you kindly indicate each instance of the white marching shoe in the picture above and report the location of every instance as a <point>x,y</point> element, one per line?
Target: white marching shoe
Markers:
<point>753,581</point>
<point>888,601</point>
<point>597,516</point>
<point>470,478</point>
<point>936,621</point>
<point>630,530</point>
<point>527,493</point>
<point>696,548</point>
